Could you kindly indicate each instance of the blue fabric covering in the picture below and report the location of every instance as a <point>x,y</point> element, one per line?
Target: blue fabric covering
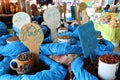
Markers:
<point>69,18</point>
<point>39,19</point>
<point>3,28</point>
<point>13,49</point>
<point>36,18</point>
<point>3,39</point>
<point>73,27</point>
<point>56,71</point>
<point>48,39</point>
<point>60,49</point>
<point>15,29</point>
<point>4,66</point>
<point>73,33</point>
<point>102,48</point>
<point>79,72</point>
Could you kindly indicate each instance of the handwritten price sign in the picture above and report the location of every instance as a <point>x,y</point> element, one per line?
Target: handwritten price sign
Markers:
<point>51,15</point>
<point>52,18</point>
<point>31,31</point>
<point>32,36</point>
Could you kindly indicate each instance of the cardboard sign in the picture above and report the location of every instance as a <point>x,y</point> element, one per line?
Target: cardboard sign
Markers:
<point>32,36</point>
<point>52,18</point>
<point>20,19</point>
<point>88,40</point>
<point>28,8</point>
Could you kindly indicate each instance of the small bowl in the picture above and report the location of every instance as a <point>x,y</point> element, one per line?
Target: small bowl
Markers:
<point>64,38</point>
<point>12,39</point>
<point>62,30</point>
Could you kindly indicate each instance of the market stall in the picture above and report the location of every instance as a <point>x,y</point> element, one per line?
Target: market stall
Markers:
<point>55,57</point>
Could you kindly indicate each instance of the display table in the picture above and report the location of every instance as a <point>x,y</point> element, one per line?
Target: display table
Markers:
<point>108,33</point>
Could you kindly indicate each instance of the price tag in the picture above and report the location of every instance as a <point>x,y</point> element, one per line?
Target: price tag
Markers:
<point>32,36</point>
<point>52,18</point>
<point>20,19</point>
<point>64,10</point>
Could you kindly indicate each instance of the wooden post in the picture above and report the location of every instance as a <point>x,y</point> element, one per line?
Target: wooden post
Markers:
<point>84,16</point>
<point>82,10</point>
<point>78,15</point>
<point>64,10</point>
<point>28,8</point>
<point>22,5</point>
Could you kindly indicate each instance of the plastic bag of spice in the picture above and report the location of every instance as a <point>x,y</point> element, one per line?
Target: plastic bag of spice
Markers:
<point>79,72</point>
